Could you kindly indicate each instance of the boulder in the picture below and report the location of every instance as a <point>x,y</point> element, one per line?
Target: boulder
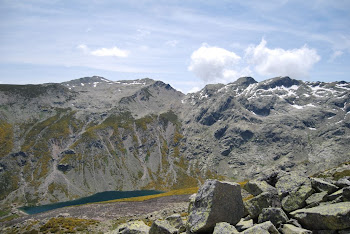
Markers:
<point>291,229</point>
<point>175,220</point>
<point>244,224</point>
<point>262,228</point>
<point>191,199</point>
<point>346,194</point>
<point>343,182</point>
<point>255,205</point>
<point>224,228</point>
<point>321,185</point>
<point>215,202</point>
<point>133,227</point>
<point>316,198</point>
<point>331,216</point>
<point>275,215</point>
<point>335,195</point>
<point>296,198</point>
<point>291,182</point>
<point>255,187</point>
<point>162,227</point>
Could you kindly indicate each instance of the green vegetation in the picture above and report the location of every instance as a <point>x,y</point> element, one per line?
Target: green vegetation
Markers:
<point>6,138</point>
<point>28,91</point>
<point>67,225</point>
<point>8,183</point>
<point>167,117</point>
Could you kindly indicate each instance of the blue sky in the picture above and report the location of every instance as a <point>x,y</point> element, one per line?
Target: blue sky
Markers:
<point>184,43</point>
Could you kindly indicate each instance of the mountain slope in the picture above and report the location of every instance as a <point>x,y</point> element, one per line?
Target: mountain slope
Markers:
<point>68,140</point>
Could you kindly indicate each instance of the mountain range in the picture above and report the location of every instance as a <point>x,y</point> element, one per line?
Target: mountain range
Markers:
<point>61,141</point>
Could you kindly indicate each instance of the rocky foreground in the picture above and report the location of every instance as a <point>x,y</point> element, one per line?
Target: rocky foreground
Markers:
<point>275,202</point>
<point>282,203</point>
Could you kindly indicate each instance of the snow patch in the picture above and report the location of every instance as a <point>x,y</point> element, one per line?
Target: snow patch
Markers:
<point>313,129</point>
<point>95,84</point>
<point>82,84</point>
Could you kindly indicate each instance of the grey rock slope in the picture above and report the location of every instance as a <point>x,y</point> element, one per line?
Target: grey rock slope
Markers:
<point>68,140</point>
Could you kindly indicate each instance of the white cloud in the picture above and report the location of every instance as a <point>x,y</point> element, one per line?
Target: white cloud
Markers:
<point>115,52</point>
<point>172,43</point>
<point>295,63</point>
<point>194,90</point>
<point>83,48</point>
<point>335,54</point>
<point>214,64</point>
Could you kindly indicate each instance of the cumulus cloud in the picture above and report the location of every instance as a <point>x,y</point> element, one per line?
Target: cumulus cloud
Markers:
<point>295,63</point>
<point>214,64</point>
<point>115,51</point>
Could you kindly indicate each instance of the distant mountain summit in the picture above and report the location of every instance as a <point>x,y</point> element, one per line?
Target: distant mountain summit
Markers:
<point>68,140</point>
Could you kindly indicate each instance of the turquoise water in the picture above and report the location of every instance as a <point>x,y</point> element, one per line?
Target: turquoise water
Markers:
<point>104,196</point>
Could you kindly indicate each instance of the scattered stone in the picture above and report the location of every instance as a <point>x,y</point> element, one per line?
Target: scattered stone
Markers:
<point>333,216</point>
<point>63,215</point>
<point>291,229</point>
<point>175,221</point>
<point>255,187</point>
<point>133,227</point>
<point>290,181</point>
<point>244,224</point>
<point>335,195</point>
<point>162,227</point>
<point>296,199</point>
<point>215,202</point>
<point>316,198</point>
<point>294,222</point>
<point>343,182</point>
<point>258,203</point>
<point>263,228</point>
<point>275,215</point>
<point>321,185</point>
<point>224,228</point>
<point>346,194</point>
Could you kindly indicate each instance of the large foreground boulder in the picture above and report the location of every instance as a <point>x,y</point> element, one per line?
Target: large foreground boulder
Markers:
<point>215,202</point>
<point>332,216</point>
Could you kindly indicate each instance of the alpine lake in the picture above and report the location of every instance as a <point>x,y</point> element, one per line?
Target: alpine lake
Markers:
<point>98,197</point>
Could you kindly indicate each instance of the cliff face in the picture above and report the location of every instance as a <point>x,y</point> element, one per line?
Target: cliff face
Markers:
<point>64,141</point>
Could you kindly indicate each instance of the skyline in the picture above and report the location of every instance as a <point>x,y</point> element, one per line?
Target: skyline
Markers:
<point>187,44</point>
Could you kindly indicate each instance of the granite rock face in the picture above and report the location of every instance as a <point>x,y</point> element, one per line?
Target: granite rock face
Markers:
<point>331,217</point>
<point>215,202</point>
<point>258,203</point>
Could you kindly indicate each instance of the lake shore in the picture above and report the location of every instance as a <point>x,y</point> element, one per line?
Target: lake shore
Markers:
<point>150,209</point>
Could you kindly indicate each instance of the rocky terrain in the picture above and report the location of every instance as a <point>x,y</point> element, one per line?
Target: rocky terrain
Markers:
<point>275,202</point>
<point>73,139</point>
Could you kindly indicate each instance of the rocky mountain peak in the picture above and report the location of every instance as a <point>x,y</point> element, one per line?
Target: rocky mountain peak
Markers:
<point>245,81</point>
<point>278,82</point>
